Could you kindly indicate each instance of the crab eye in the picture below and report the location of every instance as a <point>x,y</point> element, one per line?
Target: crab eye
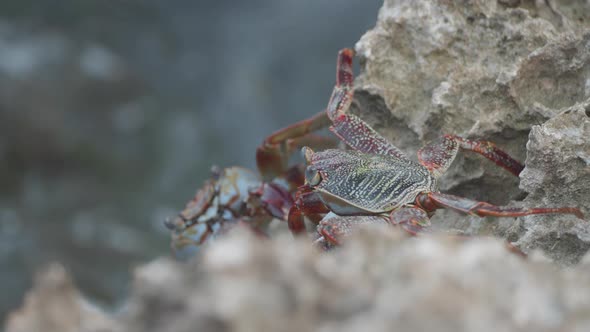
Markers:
<point>312,176</point>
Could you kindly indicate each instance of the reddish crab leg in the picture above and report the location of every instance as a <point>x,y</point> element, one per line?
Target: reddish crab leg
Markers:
<point>307,203</point>
<point>195,207</point>
<point>432,201</point>
<point>274,199</point>
<point>348,127</point>
<point>411,219</point>
<point>490,151</point>
<point>439,155</point>
<point>272,155</point>
<point>337,228</point>
<point>295,177</point>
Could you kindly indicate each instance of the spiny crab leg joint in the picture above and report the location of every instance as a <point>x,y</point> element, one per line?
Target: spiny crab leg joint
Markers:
<point>377,181</point>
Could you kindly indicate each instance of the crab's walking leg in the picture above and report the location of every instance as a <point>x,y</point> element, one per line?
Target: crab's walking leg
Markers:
<point>515,250</point>
<point>348,127</point>
<point>432,201</point>
<point>274,199</point>
<point>308,204</point>
<point>295,177</point>
<point>337,228</point>
<point>411,219</point>
<point>272,155</point>
<point>195,207</point>
<point>438,156</point>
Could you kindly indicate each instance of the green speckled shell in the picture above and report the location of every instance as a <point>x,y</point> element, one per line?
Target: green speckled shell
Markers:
<point>368,182</point>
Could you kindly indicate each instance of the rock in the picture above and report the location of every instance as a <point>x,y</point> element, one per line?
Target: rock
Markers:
<point>557,173</point>
<point>55,305</point>
<point>485,70</point>
<point>380,281</point>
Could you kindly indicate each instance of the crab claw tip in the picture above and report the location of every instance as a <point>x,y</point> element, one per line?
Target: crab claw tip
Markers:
<point>169,224</point>
<point>349,52</point>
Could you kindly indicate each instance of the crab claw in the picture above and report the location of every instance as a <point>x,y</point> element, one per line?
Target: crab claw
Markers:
<point>344,73</point>
<point>178,224</point>
<point>196,207</point>
<point>171,225</point>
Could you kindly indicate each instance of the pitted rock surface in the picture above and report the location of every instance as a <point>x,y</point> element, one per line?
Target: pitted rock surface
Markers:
<point>493,71</point>
<point>381,280</point>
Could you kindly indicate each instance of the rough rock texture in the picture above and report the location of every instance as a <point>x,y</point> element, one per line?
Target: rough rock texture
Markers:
<point>558,172</point>
<point>380,281</point>
<point>55,305</point>
<point>488,70</point>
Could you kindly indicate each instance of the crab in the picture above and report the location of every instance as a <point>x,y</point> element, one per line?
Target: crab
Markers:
<point>237,196</point>
<point>378,184</point>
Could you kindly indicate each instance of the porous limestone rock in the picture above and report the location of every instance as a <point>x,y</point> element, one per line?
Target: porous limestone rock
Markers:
<point>485,70</point>
<point>557,173</point>
<point>56,305</point>
<point>380,281</point>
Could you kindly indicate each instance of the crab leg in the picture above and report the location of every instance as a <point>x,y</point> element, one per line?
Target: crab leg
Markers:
<point>337,228</point>
<point>348,127</point>
<point>411,219</point>
<point>274,199</point>
<point>307,203</point>
<point>272,155</point>
<point>432,201</point>
<point>294,176</point>
<point>438,156</point>
<point>195,207</point>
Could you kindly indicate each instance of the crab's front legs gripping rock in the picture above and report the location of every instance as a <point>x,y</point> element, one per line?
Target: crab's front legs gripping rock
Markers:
<point>272,155</point>
<point>348,127</point>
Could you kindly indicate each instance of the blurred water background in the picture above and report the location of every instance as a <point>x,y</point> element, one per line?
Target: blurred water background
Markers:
<point>113,111</point>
